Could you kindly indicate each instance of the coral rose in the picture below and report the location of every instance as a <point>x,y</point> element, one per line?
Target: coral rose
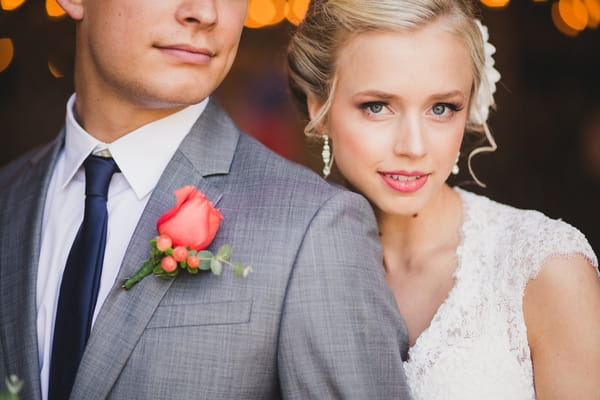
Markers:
<point>193,222</point>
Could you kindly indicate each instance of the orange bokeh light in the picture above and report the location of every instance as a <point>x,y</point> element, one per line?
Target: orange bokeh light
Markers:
<point>296,10</point>
<point>573,13</point>
<point>560,24</point>
<point>264,12</point>
<point>53,9</point>
<point>593,7</point>
<point>250,23</point>
<point>57,73</point>
<point>7,51</point>
<point>9,5</point>
<point>495,3</point>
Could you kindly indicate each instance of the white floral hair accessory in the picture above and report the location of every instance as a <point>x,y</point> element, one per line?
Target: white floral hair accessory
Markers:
<point>484,98</point>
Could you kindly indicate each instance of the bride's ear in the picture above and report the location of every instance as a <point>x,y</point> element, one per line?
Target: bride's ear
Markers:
<point>313,107</point>
<point>73,7</point>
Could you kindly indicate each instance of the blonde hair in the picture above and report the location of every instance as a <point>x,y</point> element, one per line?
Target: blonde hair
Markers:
<point>329,24</point>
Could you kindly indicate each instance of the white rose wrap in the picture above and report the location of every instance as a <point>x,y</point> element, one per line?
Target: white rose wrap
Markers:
<point>484,98</point>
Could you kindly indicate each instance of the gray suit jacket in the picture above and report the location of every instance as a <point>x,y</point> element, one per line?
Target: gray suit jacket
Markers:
<point>315,320</point>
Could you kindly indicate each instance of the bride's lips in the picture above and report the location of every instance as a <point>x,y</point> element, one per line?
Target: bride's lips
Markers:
<point>404,181</point>
<point>187,53</point>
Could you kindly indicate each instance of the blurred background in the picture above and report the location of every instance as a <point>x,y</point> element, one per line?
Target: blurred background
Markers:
<point>546,124</point>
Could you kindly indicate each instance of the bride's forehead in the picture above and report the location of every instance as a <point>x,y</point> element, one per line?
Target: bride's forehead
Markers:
<point>432,41</point>
<point>397,56</point>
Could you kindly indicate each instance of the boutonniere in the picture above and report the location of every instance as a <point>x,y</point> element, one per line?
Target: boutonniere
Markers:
<point>13,387</point>
<point>184,233</point>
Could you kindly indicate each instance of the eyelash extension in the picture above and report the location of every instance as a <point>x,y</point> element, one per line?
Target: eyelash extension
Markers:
<point>364,106</point>
<point>453,106</point>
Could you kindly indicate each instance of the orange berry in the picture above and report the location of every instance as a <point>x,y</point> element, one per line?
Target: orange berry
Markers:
<point>163,242</point>
<point>193,262</point>
<point>180,253</point>
<point>169,264</point>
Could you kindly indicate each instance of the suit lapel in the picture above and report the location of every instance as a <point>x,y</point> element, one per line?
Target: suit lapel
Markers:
<point>20,245</point>
<point>207,150</point>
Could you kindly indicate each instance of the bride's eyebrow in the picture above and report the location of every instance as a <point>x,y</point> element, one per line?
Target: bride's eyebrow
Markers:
<point>447,95</point>
<point>376,94</point>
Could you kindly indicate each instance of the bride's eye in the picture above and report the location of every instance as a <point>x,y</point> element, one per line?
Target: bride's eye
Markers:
<point>445,109</point>
<point>374,107</point>
<point>439,109</point>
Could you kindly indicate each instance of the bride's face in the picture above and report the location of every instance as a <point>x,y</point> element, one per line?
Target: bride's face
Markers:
<point>398,114</point>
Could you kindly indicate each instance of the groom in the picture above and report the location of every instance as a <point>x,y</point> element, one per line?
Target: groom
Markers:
<point>314,320</point>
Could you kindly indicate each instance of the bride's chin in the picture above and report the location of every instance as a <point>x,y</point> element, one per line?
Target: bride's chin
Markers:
<point>398,210</point>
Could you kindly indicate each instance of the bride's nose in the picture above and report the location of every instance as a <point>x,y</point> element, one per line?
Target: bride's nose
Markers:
<point>409,138</point>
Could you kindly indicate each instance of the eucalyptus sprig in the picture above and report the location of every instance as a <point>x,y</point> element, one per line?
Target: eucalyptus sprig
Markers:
<point>13,387</point>
<point>166,261</point>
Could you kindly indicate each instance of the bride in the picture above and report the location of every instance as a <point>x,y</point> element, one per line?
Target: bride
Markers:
<point>500,303</point>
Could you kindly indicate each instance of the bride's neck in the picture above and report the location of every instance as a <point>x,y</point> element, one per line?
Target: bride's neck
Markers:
<point>406,239</point>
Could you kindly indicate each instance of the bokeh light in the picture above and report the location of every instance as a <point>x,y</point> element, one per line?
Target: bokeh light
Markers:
<point>593,7</point>
<point>264,12</point>
<point>495,3</point>
<point>560,24</point>
<point>573,13</point>
<point>10,5</point>
<point>54,70</point>
<point>296,10</point>
<point>268,12</point>
<point>7,51</point>
<point>53,9</point>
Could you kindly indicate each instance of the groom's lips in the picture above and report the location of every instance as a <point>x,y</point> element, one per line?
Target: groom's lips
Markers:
<point>187,53</point>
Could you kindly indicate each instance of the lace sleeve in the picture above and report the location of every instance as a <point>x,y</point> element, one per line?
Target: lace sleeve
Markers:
<point>543,238</point>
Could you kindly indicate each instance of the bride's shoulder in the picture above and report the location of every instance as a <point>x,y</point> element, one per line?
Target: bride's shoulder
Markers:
<point>527,237</point>
<point>521,223</point>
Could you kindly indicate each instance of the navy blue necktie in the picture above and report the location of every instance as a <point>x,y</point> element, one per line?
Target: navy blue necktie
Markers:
<point>81,280</point>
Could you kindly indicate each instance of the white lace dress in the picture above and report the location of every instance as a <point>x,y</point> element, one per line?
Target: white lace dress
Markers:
<point>476,345</point>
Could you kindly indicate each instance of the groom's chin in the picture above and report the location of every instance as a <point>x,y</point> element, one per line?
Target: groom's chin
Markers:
<point>170,97</point>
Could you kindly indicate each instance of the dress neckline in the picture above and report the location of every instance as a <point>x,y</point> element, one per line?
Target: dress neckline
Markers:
<point>439,313</point>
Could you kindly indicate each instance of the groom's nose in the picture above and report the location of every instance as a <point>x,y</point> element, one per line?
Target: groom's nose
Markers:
<point>200,12</point>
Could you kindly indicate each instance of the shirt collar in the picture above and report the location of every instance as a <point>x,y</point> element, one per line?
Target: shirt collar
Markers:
<point>142,155</point>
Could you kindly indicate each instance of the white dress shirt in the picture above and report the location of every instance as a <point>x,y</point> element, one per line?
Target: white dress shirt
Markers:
<point>142,155</point>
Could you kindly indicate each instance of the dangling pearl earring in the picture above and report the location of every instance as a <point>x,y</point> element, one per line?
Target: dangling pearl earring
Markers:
<point>455,168</point>
<point>327,157</point>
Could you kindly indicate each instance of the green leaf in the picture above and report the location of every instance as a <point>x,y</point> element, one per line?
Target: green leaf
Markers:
<point>205,265</point>
<point>13,387</point>
<point>205,254</point>
<point>158,270</point>
<point>216,267</point>
<point>163,274</point>
<point>224,252</point>
<point>238,269</point>
<point>192,271</point>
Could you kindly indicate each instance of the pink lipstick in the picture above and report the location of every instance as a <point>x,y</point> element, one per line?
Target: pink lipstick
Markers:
<point>403,181</point>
